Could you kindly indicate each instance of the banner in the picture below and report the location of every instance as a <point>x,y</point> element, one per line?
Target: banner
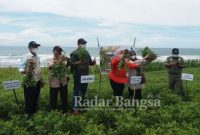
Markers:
<point>106,54</point>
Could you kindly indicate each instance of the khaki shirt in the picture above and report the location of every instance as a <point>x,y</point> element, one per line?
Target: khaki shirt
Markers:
<point>176,70</point>
<point>55,82</point>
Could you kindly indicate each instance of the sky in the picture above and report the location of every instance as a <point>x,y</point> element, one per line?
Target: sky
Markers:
<point>154,23</point>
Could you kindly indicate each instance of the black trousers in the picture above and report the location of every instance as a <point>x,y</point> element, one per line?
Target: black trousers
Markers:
<point>136,93</point>
<point>63,96</point>
<point>118,88</point>
<point>31,95</point>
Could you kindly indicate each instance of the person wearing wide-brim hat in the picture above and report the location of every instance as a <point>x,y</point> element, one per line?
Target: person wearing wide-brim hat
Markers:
<point>30,65</point>
<point>174,65</point>
<point>58,83</point>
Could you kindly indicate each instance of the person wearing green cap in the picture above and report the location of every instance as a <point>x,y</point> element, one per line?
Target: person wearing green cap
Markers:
<point>174,65</point>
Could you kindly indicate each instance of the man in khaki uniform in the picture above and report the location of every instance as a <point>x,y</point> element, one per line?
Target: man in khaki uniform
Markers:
<point>174,65</point>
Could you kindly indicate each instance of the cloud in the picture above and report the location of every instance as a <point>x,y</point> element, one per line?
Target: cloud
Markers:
<point>25,36</point>
<point>4,20</point>
<point>158,12</point>
<point>155,23</point>
<point>147,35</point>
<point>7,38</point>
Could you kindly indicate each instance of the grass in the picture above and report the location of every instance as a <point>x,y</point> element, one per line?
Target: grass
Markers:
<point>175,116</point>
<point>155,66</point>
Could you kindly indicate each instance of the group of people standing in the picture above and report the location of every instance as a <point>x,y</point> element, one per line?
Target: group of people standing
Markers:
<point>79,67</point>
<point>57,85</point>
<point>120,77</point>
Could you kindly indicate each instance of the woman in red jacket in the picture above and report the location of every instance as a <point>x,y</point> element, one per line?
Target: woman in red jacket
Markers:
<point>118,76</point>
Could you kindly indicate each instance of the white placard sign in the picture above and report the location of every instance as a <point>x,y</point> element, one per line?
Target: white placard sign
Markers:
<point>136,79</point>
<point>188,77</point>
<point>14,84</point>
<point>87,79</point>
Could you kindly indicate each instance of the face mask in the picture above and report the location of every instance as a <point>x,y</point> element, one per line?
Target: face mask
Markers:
<point>83,45</point>
<point>175,55</point>
<point>133,57</point>
<point>34,50</point>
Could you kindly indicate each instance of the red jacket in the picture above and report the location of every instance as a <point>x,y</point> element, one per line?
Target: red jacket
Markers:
<point>119,75</point>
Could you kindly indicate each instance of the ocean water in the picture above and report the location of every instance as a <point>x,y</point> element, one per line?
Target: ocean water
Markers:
<point>10,55</point>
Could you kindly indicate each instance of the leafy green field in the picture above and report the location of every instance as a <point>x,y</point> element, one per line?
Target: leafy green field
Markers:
<point>175,116</point>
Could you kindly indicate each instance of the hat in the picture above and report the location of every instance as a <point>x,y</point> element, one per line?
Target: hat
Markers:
<point>175,51</point>
<point>82,41</point>
<point>58,48</point>
<point>33,44</point>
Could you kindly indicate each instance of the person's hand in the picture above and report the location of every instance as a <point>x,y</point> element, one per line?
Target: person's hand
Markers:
<point>94,61</point>
<point>78,62</point>
<point>66,58</point>
<point>120,56</point>
<point>26,72</point>
<point>32,62</point>
<point>180,65</point>
<point>173,64</point>
<point>50,67</point>
<point>126,61</point>
<point>23,72</point>
<point>146,57</point>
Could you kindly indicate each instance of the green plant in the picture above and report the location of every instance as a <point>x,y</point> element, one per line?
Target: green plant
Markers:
<point>29,80</point>
<point>82,53</point>
<point>122,63</point>
<point>59,69</point>
<point>175,116</point>
<point>147,51</point>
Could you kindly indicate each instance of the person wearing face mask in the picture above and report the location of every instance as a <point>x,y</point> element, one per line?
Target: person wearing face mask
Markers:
<point>135,90</point>
<point>174,65</point>
<point>58,84</point>
<point>80,67</point>
<point>31,93</point>
<point>118,76</point>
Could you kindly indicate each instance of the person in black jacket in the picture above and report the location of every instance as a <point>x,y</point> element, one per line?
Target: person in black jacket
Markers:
<point>80,60</point>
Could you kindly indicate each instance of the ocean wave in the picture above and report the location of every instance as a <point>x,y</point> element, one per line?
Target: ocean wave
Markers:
<point>14,61</point>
